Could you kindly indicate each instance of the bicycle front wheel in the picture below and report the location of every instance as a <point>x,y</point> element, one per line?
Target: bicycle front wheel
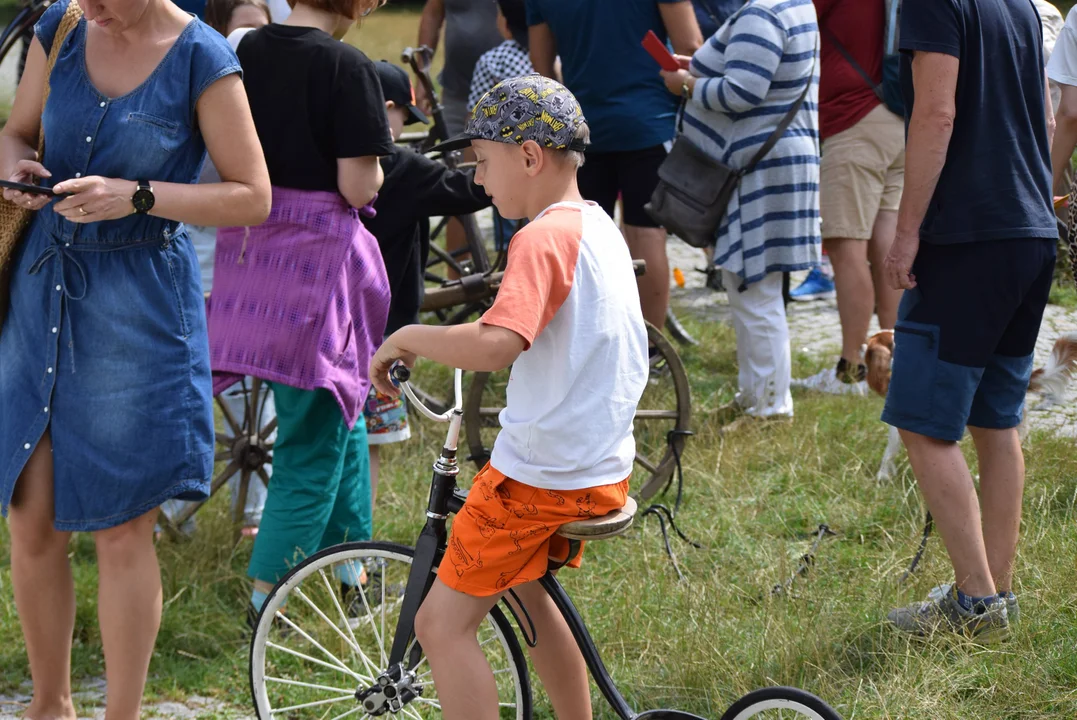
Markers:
<point>317,649</point>
<point>780,703</point>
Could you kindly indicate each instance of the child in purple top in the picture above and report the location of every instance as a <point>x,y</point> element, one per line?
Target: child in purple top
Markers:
<point>302,300</point>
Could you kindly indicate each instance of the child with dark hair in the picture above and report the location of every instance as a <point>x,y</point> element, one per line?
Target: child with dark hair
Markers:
<point>508,60</point>
<point>415,188</point>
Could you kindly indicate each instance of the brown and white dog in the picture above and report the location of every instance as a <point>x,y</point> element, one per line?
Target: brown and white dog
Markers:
<point>1050,382</point>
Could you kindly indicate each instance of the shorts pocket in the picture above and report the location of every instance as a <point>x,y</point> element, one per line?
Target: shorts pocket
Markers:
<point>914,370</point>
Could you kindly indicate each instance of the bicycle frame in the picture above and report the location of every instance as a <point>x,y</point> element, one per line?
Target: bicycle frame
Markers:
<point>447,499</point>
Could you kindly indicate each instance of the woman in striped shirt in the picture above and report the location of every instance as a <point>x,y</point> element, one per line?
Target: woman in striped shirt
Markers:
<point>739,85</point>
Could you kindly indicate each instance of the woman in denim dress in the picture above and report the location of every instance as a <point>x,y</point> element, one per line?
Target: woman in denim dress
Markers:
<point>105,404</point>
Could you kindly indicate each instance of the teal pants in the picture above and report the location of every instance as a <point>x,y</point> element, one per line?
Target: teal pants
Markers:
<point>320,492</point>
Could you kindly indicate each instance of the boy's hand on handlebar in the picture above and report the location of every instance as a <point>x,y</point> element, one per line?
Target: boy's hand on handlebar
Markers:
<point>382,361</point>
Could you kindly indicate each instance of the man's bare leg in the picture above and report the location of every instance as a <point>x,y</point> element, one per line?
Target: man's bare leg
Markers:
<point>856,295</point>
<point>886,298</point>
<point>1002,483</point>
<point>649,244</point>
<point>945,481</point>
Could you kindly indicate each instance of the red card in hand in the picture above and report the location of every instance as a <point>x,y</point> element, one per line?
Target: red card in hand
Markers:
<point>660,52</point>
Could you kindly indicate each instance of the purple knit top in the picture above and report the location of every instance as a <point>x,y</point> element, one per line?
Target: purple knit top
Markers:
<point>301,299</point>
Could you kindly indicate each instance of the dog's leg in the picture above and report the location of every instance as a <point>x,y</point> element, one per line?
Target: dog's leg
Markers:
<point>889,464</point>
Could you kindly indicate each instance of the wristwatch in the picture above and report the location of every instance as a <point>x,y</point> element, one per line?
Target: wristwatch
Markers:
<point>143,198</point>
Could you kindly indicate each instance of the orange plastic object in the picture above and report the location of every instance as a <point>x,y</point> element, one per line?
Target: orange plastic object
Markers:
<point>678,277</point>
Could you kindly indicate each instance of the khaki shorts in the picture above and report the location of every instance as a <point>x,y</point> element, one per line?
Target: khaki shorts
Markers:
<point>861,172</point>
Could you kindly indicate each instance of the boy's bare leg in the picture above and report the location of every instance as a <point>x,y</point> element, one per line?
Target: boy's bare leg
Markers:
<point>556,657</point>
<point>446,627</point>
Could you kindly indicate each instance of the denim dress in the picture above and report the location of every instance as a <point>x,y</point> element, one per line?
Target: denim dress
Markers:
<point>105,343</point>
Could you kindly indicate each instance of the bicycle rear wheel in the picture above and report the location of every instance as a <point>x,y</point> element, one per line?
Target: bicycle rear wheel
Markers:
<point>780,703</point>
<point>315,650</point>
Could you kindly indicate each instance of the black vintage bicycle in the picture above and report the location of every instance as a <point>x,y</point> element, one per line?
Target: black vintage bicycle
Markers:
<point>323,650</point>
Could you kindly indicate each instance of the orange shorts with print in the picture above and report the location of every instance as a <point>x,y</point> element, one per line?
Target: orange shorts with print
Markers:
<point>505,534</point>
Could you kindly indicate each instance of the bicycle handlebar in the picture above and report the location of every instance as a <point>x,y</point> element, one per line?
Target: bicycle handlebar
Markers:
<point>401,375</point>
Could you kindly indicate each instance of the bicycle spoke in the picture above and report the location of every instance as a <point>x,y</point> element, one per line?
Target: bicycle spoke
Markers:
<point>316,703</point>
<point>373,626</point>
<point>344,618</point>
<point>351,643</point>
<point>349,713</point>
<point>311,640</point>
<point>657,415</point>
<point>647,464</point>
<point>308,658</point>
<point>229,418</point>
<point>312,686</point>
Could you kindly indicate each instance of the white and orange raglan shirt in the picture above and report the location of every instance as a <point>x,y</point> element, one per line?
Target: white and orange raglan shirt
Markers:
<point>569,290</point>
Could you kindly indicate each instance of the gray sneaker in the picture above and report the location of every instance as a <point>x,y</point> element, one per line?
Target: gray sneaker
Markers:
<point>924,618</point>
<point>1013,608</point>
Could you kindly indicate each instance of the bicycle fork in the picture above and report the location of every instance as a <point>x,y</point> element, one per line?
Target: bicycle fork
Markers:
<point>396,686</point>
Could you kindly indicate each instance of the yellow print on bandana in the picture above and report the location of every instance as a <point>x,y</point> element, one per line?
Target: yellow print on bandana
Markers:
<point>553,122</point>
<point>525,124</point>
<point>490,110</point>
<point>530,94</point>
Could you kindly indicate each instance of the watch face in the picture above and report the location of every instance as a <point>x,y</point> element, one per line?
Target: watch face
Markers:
<point>143,200</point>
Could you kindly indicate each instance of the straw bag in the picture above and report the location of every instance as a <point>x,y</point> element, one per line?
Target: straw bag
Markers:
<point>14,219</point>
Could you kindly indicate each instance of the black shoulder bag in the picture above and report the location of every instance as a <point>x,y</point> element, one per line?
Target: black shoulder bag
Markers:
<point>694,188</point>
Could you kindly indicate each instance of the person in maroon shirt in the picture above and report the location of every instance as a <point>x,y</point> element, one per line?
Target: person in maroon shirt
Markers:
<point>860,179</point>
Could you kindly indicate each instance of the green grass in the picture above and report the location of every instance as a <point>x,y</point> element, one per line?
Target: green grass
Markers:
<point>753,501</point>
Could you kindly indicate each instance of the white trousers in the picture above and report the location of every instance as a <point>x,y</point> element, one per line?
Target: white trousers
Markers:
<point>763,355</point>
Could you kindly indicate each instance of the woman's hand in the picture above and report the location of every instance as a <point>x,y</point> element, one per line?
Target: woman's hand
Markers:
<point>383,360</point>
<point>683,60</point>
<point>93,199</point>
<point>675,81</point>
<point>25,172</point>
<point>897,267</point>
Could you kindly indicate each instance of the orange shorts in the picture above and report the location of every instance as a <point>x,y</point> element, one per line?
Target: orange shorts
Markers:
<point>505,534</point>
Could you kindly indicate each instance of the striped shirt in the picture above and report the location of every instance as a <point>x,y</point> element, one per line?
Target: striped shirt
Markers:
<point>751,72</point>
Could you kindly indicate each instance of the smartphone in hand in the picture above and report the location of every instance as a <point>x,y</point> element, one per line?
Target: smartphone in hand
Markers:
<point>26,188</point>
<point>660,52</point>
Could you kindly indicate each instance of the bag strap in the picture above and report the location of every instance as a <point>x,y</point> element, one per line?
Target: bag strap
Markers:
<point>877,89</point>
<point>784,124</point>
<point>72,15</point>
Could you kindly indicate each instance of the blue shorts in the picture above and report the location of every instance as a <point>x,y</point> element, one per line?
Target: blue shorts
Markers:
<point>965,336</point>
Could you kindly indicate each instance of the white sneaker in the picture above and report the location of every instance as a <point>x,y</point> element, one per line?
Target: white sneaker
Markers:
<point>826,381</point>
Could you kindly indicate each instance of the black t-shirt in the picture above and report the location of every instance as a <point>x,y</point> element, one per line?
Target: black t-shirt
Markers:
<point>314,100</point>
<point>415,188</point>
<point>996,183</point>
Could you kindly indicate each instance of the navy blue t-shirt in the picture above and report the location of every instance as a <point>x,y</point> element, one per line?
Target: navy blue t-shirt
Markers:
<point>195,7</point>
<point>712,14</point>
<point>626,104</point>
<point>996,183</point>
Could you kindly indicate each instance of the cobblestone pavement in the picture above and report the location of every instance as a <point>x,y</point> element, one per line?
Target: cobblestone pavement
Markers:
<point>814,330</point>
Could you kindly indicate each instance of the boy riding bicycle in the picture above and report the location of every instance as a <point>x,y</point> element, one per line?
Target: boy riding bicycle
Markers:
<point>567,318</point>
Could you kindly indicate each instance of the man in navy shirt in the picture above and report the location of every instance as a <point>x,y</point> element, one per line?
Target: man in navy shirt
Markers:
<point>629,110</point>
<point>712,14</point>
<point>975,252</point>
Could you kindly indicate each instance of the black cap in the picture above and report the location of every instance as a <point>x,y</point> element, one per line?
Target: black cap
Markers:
<point>396,87</point>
